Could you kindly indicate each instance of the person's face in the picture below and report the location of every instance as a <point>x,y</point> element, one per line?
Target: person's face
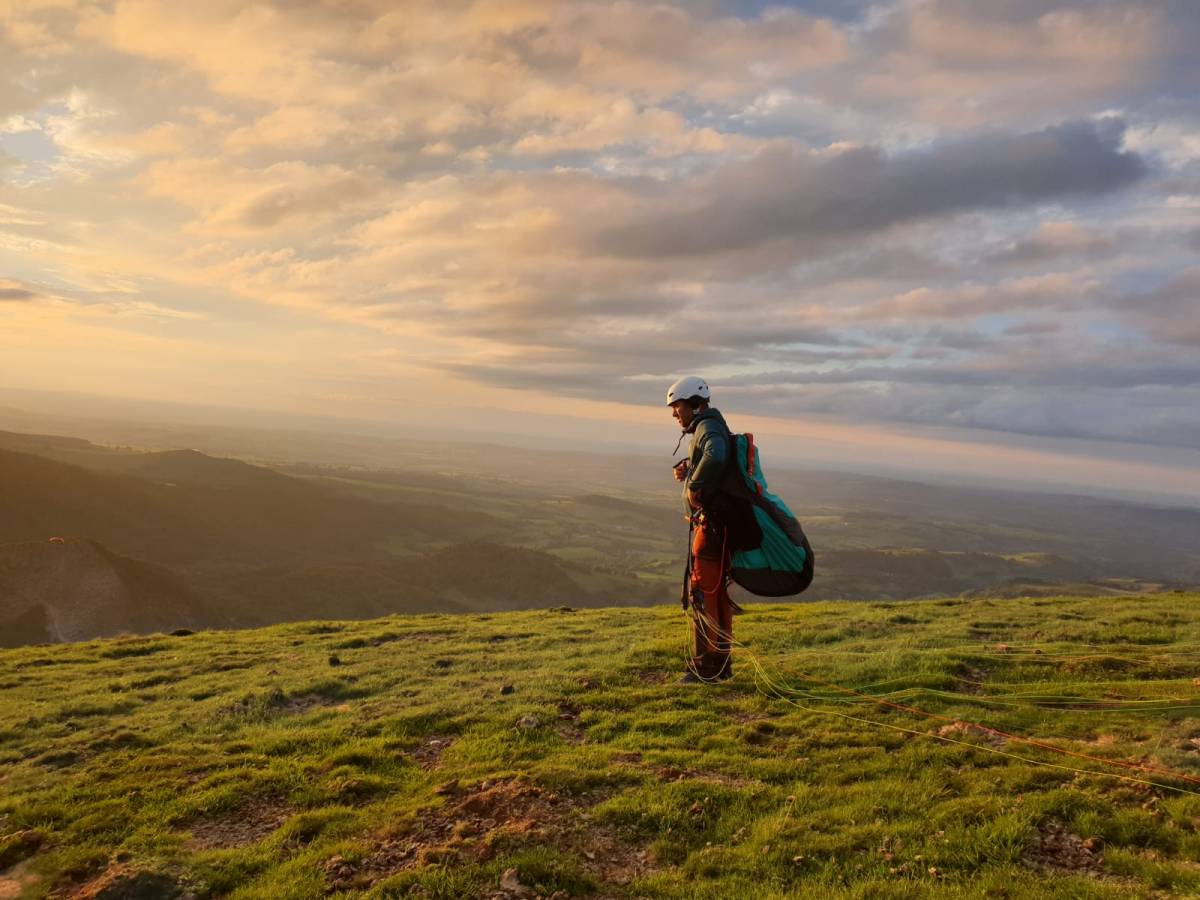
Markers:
<point>683,413</point>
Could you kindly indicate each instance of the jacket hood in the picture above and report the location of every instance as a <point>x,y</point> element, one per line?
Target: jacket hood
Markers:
<point>711,413</point>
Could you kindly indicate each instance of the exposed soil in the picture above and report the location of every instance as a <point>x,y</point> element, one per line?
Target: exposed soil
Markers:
<point>479,820</point>
<point>15,880</point>
<point>959,730</point>
<point>1054,849</point>
<point>569,725</point>
<point>429,755</point>
<point>304,703</point>
<point>122,882</point>
<point>653,676</point>
<point>240,828</point>
<point>671,773</point>
<point>742,717</point>
<point>971,680</point>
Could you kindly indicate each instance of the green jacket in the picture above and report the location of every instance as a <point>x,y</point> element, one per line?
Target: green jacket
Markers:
<point>708,454</point>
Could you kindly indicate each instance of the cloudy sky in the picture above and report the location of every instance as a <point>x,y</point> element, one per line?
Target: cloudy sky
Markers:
<point>974,221</point>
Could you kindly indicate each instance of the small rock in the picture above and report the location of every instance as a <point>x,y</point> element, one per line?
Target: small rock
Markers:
<point>510,882</point>
<point>529,721</point>
<point>507,689</point>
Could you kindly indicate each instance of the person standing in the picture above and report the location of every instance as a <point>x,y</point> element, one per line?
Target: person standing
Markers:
<point>706,588</point>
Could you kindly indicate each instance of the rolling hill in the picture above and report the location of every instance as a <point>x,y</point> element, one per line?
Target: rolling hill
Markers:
<point>455,530</point>
<point>176,513</point>
<point>77,590</point>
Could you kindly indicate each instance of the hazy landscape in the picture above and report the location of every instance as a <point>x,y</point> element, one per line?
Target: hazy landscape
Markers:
<point>318,525</point>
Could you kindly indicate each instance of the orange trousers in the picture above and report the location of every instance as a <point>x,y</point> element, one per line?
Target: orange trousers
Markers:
<point>709,593</point>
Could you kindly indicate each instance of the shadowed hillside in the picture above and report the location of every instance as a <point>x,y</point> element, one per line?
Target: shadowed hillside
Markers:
<point>178,516</point>
<point>77,590</point>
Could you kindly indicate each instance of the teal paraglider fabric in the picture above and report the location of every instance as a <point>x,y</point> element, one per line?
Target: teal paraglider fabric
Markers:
<point>782,563</point>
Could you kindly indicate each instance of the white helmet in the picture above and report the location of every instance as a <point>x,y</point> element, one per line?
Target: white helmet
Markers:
<point>687,388</point>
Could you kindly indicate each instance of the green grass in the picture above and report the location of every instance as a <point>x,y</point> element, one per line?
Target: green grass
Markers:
<point>365,758</point>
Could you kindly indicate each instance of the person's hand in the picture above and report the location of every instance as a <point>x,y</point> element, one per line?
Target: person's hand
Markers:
<point>693,498</point>
<point>680,470</point>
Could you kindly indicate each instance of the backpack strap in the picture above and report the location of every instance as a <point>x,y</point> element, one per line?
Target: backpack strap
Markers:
<point>751,459</point>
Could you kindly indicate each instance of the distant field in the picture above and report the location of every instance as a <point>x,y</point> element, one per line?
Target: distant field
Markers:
<point>552,752</point>
<point>424,527</point>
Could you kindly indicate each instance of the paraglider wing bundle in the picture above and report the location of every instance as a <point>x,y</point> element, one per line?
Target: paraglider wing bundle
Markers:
<point>771,555</point>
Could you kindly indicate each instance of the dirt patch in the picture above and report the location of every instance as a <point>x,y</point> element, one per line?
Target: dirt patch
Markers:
<point>478,821</point>
<point>612,861</point>
<point>652,676</point>
<point>470,826</point>
<point>303,703</point>
<point>429,755</point>
<point>626,759</point>
<point>958,730</point>
<point>515,636</point>
<point>16,881</point>
<point>241,828</point>
<point>1054,849</point>
<point>120,882</point>
<point>671,773</point>
<point>971,679</point>
<point>745,717</point>
<point>569,726</point>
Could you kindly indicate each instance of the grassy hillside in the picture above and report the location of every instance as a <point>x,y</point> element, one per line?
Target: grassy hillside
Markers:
<point>550,753</point>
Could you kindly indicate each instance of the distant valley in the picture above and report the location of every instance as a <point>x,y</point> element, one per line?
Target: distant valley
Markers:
<point>159,539</point>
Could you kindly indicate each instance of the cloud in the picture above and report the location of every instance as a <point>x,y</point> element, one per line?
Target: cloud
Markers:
<point>921,210</point>
<point>785,193</point>
<point>960,63</point>
<point>1055,292</point>
<point>1171,312</point>
<point>1052,241</point>
<point>1033,328</point>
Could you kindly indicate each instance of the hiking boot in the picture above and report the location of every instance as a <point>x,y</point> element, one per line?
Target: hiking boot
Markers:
<point>708,674</point>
